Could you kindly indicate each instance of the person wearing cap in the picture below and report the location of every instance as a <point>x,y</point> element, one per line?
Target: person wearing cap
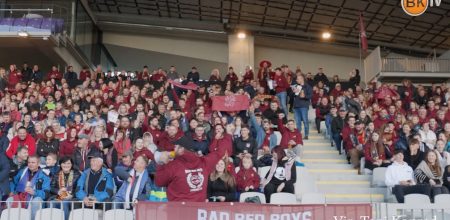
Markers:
<point>82,152</point>
<point>192,76</point>
<point>186,175</point>
<point>95,183</point>
<point>337,124</point>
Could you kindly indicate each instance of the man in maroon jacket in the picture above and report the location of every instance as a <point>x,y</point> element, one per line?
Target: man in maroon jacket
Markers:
<point>291,137</point>
<point>186,176</point>
<point>168,137</point>
<point>281,85</point>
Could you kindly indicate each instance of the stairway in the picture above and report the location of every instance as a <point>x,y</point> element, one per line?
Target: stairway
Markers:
<point>334,176</point>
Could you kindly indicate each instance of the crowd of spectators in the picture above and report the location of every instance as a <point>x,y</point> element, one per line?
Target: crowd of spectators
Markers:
<point>149,135</point>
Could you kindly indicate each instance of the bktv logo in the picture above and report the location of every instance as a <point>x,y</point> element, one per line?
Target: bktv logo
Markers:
<point>418,7</point>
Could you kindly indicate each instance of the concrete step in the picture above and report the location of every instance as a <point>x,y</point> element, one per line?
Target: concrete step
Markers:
<point>311,144</point>
<point>328,166</point>
<point>337,177</point>
<point>320,151</point>
<point>354,198</point>
<point>324,160</point>
<point>333,171</point>
<point>323,156</point>
<point>345,190</point>
<point>344,183</point>
<point>307,147</point>
<point>317,140</point>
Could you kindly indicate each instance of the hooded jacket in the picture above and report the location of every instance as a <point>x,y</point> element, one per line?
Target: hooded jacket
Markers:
<point>247,177</point>
<point>186,177</point>
<point>16,142</point>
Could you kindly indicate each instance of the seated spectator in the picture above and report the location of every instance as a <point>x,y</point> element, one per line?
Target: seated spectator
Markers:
<point>429,172</point>
<point>51,167</point>
<point>374,153</point>
<point>121,142</point>
<point>95,183</point>
<point>140,149</point>
<point>200,141</point>
<point>273,112</point>
<point>402,142</point>
<point>428,136</point>
<point>291,138</point>
<point>245,145</point>
<point>322,109</point>
<point>22,139</point>
<point>265,138</point>
<point>82,153</point>
<point>48,144</point>
<point>4,177</point>
<point>109,153</point>
<point>281,176</point>
<point>247,179</point>
<point>170,135</point>
<point>136,187</point>
<point>63,185</point>
<point>221,184</point>
<point>67,147</point>
<point>444,156</point>
<point>30,184</point>
<point>400,177</point>
<point>149,142</point>
<point>413,156</point>
<point>18,162</point>
<point>221,141</point>
<point>123,167</point>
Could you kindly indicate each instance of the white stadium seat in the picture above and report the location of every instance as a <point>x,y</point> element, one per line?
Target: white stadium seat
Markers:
<point>118,214</point>
<point>16,214</point>
<point>84,214</point>
<point>283,198</point>
<point>50,214</point>
<point>245,195</point>
<point>379,176</point>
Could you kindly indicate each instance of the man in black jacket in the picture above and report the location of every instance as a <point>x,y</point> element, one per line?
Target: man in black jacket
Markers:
<point>337,124</point>
<point>71,77</point>
<point>192,76</point>
<point>82,153</point>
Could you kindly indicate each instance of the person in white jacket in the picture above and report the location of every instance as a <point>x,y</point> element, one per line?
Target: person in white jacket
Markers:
<point>400,177</point>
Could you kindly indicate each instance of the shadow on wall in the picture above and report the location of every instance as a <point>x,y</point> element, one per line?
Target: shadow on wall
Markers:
<point>134,59</point>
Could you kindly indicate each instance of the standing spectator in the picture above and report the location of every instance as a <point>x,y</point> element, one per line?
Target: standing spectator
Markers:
<point>3,80</point>
<point>85,73</point>
<point>71,77</point>
<point>281,86</point>
<point>221,141</point>
<point>281,176</point>
<point>23,139</point>
<point>55,74</point>
<point>36,75</point>
<point>14,77</point>
<point>429,171</point>
<point>82,153</point>
<point>231,76</point>
<point>172,73</point>
<point>303,94</point>
<point>30,184</point>
<point>184,176</point>
<point>321,77</point>
<point>139,149</point>
<point>109,153</point>
<point>355,78</point>
<point>290,136</point>
<point>322,110</point>
<point>95,184</point>
<point>400,177</point>
<point>200,141</point>
<point>221,184</point>
<point>121,170</point>
<point>192,76</point>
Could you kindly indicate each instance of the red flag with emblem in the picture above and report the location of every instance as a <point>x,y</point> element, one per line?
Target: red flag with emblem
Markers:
<point>230,103</point>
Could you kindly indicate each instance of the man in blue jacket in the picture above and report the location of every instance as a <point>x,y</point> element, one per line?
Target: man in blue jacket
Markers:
<point>302,100</point>
<point>30,184</point>
<point>95,183</point>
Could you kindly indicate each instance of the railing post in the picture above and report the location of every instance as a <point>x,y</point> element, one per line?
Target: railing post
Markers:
<point>72,21</point>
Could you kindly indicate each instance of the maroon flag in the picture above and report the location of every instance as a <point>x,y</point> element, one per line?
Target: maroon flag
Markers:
<point>230,103</point>
<point>190,85</point>
<point>362,34</point>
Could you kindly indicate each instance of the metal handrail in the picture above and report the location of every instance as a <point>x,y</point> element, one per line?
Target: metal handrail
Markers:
<point>416,65</point>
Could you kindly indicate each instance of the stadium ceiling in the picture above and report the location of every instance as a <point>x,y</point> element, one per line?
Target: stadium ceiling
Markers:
<point>386,23</point>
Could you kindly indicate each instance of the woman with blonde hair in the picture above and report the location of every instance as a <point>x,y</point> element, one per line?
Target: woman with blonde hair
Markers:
<point>215,75</point>
<point>221,184</point>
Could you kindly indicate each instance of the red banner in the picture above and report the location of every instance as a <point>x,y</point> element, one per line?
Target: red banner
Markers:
<point>230,103</point>
<point>249,211</point>
<point>189,85</point>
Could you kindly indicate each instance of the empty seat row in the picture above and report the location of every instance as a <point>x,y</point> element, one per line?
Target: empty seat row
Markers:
<point>53,24</point>
<point>286,198</point>
<point>58,214</point>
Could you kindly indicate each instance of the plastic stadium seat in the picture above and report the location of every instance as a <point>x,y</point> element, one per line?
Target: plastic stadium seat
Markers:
<point>7,21</point>
<point>278,135</point>
<point>283,198</point>
<point>313,198</point>
<point>35,22</point>
<point>16,214</point>
<point>378,177</point>
<point>20,22</point>
<point>118,214</point>
<point>50,214</point>
<point>304,185</point>
<point>442,199</point>
<point>262,171</point>
<point>88,214</point>
<point>245,195</point>
<point>417,199</point>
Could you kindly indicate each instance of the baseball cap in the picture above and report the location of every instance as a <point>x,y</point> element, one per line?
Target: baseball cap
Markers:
<point>342,109</point>
<point>95,155</point>
<point>185,142</point>
<point>83,136</point>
